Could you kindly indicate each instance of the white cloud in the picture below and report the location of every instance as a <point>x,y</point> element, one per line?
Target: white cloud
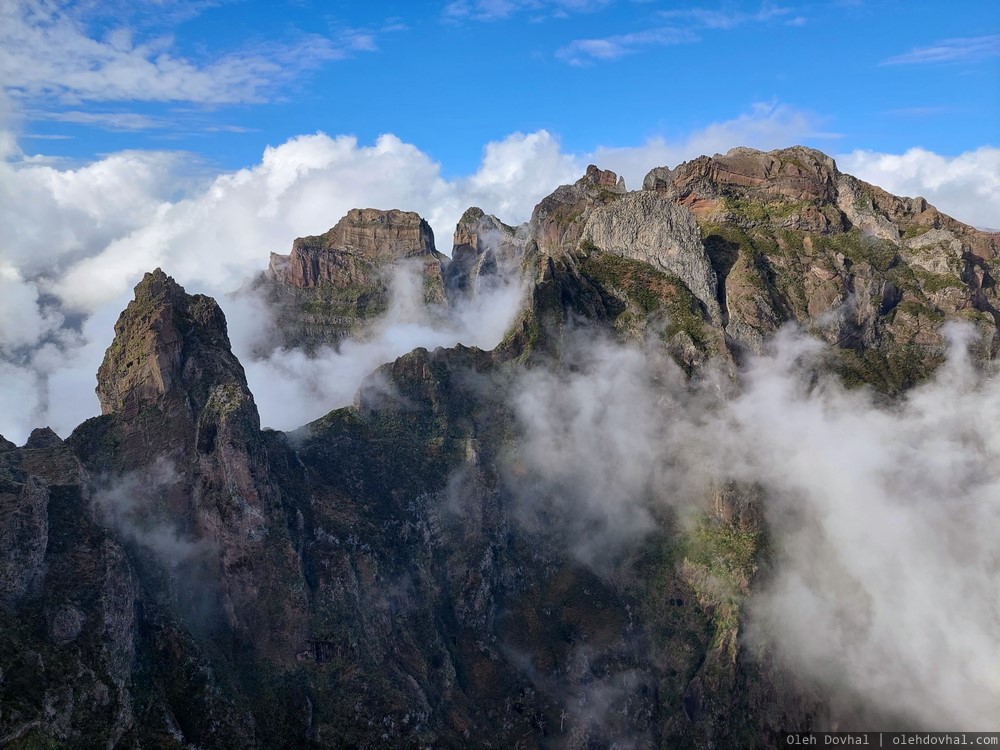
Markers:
<point>966,186</point>
<point>725,19</point>
<point>79,237</point>
<point>968,49</point>
<point>107,120</point>
<point>517,172</point>
<point>46,51</point>
<point>22,321</point>
<point>595,430</point>
<point>585,51</point>
<point>54,216</point>
<point>884,523</point>
<point>493,10</point>
<point>683,24</point>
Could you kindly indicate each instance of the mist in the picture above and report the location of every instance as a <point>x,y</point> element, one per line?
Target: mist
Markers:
<point>605,441</point>
<point>292,387</point>
<point>886,522</point>
<point>882,518</point>
<point>132,505</point>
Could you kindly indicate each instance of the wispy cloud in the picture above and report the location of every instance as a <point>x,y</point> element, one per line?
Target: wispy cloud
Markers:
<point>724,19</point>
<point>928,111</point>
<point>682,26</point>
<point>230,129</point>
<point>48,53</point>
<point>495,10</point>
<point>585,51</point>
<point>966,49</point>
<point>107,120</point>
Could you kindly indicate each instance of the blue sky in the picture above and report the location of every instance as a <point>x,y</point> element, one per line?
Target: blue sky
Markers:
<point>225,79</point>
<point>201,135</point>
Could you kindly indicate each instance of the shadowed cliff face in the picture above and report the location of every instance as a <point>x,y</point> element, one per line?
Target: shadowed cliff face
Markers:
<point>176,404</point>
<point>550,544</point>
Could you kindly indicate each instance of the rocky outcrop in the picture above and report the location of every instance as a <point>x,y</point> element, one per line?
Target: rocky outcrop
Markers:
<point>557,221</point>
<point>23,536</point>
<point>358,247</point>
<point>799,181</point>
<point>168,346</point>
<point>791,175</point>
<point>792,238</point>
<point>647,227</point>
<point>184,436</point>
<point>486,252</point>
<point>68,598</point>
<point>334,285</point>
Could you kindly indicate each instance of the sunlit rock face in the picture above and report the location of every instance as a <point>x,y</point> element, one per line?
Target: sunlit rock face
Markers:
<point>334,285</point>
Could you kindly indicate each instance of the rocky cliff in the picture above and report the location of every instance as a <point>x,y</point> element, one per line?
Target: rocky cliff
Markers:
<point>334,285</point>
<point>173,576</point>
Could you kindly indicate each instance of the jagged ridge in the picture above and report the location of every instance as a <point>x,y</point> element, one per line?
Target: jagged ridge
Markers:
<point>364,581</point>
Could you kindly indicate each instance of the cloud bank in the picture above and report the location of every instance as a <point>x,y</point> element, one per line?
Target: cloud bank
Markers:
<point>966,186</point>
<point>80,236</point>
<point>882,519</point>
<point>292,388</point>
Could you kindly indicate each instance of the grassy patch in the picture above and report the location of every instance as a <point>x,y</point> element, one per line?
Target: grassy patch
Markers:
<point>914,230</point>
<point>936,282</point>
<point>647,292</point>
<point>858,247</point>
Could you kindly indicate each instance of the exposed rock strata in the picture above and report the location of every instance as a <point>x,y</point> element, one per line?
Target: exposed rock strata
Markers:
<point>334,285</point>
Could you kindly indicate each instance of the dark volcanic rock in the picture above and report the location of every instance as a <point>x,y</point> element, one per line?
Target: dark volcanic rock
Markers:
<point>43,437</point>
<point>177,405</point>
<point>168,345</point>
<point>23,535</point>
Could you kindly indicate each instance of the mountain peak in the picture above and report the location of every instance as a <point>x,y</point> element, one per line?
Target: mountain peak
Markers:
<point>791,174</point>
<point>364,240</point>
<point>43,437</point>
<point>165,340</point>
<point>604,178</point>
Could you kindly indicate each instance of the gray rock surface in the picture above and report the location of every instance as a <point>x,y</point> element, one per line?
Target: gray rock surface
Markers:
<point>24,530</point>
<point>646,226</point>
